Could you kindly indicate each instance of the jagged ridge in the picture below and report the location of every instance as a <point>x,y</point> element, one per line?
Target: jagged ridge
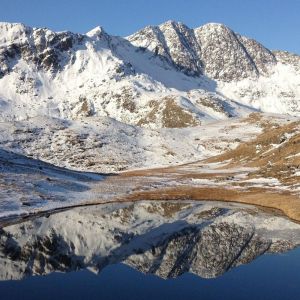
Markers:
<point>162,76</point>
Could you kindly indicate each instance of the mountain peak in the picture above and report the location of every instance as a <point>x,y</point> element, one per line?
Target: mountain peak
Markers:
<point>172,23</point>
<point>102,75</point>
<point>7,25</point>
<point>169,23</point>
<point>12,31</point>
<point>215,26</point>
<point>213,49</point>
<point>96,32</point>
<point>214,29</point>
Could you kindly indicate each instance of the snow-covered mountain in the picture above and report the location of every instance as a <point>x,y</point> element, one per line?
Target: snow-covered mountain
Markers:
<point>80,101</point>
<point>212,49</point>
<point>162,76</point>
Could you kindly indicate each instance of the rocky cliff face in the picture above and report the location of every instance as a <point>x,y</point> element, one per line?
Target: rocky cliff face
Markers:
<point>174,42</point>
<point>212,49</point>
<point>41,48</point>
<point>166,239</point>
<point>288,58</point>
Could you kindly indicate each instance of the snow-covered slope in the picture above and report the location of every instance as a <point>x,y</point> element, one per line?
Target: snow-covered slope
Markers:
<point>29,186</point>
<point>162,76</point>
<point>102,144</point>
<point>266,167</point>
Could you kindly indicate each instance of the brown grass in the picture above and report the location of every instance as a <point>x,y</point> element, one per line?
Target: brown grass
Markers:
<point>172,115</point>
<point>284,201</point>
<point>278,162</point>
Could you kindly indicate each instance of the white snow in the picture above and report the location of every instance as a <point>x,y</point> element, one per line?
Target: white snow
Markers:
<point>105,69</point>
<point>277,93</point>
<point>83,116</point>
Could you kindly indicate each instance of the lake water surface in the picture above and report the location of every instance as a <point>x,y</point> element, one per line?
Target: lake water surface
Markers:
<point>152,250</point>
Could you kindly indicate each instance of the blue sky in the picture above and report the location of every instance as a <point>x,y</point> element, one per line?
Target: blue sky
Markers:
<point>275,23</point>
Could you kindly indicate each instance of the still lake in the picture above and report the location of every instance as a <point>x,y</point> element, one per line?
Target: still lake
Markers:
<point>152,250</point>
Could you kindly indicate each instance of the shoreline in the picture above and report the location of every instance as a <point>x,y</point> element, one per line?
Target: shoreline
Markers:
<point>288,205</point>
<point>11,220</point>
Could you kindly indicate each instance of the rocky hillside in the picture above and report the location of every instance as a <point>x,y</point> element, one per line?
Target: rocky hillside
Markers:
<point>162,76</point>
<point>213,49</point>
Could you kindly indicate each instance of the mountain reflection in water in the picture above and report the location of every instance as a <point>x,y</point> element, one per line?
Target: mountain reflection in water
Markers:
<point>167,239</point>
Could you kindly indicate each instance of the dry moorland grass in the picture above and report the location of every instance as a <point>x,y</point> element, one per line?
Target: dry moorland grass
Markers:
<point>283,201</point>
<point>172,115</point>
<point>273,154</point>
